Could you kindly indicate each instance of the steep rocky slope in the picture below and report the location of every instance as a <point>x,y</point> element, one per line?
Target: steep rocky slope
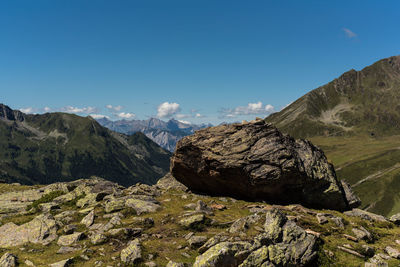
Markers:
<point>60,147</point>
<point>98,223</point>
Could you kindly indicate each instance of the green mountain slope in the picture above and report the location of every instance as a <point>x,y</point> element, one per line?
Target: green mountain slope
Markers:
<point>355,119</point>
<point>60,147</point>
<point>358,102</point>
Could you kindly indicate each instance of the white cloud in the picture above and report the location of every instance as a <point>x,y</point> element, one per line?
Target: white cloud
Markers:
<point>251,109</point>
<point>86,110</point>
<point>125,115</point>
<point>349,33</point>
<point>27,110</point>
<point>114,108</point>
<point>198,115</point>
<point>269,108</point>
<point>47,109</point>
<point>185,122</point>
<point>98,116</point>
<point>167,110</point>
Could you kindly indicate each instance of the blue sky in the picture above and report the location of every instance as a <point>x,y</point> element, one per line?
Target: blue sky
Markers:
<point>198,61</point>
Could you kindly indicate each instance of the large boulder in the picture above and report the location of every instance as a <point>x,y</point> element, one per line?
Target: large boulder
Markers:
<point>254,161</point>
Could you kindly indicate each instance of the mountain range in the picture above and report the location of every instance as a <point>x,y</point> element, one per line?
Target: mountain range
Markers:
<point>165,134</point>
<point>56,147</point>
<point>355,119</point>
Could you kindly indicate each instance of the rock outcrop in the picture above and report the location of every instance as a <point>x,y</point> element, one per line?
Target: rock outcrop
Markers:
<point>40,230</point>
<point>253,160</point>
<point>282,244</point>
<point>184,229</point>
<point>8,260</point>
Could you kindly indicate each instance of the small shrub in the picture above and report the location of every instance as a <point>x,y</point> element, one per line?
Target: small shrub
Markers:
<point>44,199</point>
<point>72,203</point>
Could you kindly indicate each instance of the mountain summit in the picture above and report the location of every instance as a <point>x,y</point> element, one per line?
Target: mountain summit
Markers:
<point>60,147</point>
<point>366,101</point>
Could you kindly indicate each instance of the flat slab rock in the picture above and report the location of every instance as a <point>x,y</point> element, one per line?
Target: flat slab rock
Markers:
<point>13,202</point>
<point>41,229</point>
<point>255,161</point>
<point>366,215</point>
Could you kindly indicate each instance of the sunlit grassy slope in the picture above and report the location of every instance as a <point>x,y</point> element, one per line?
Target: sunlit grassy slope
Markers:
<point>371,165</point>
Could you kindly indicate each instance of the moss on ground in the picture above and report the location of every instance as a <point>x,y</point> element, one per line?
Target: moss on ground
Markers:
<point>166,239</point>
<point>44,199</point>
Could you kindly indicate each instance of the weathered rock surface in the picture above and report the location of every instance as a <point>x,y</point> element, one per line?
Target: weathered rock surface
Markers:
<point>282,244</point>
<point>63,263</point>
<point>394,253</point>
<point>274,220</point>
<point>8,260</point>
<point>225,254</point>
<point>90,200</point>
<point>113,205</point>
<point>242,224</point>
<point>68,240</point>
<point>212,242</point>
<point>366,215</point>
<point>352,198</point>
<point>141,206</point>
<point>321,218</point>
<point>289,245</point>
<point>362,234</point>
<point>98,238</point>
<point>175,264</point>
<point>193,222</point>
<point>132,253</point>
<point>69,229</point>
<point>41,229</point>
<point>13,202</point>
<point>169,182</point>
<point>88,220</point>
<point>395,219</point>
<point>66,250</point>
<point>197,241</point>
<point>125,232</point>
<point>255,161</point>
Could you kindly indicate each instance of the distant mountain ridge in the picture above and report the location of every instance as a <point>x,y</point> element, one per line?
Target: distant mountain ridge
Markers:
<point>55,147</point>
<point>165,134</point>
<point>358,102</point>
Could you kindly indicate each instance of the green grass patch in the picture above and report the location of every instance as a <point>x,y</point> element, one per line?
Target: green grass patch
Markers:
<point>45,199</point>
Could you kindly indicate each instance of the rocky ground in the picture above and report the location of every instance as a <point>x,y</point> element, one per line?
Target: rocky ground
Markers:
<point>98,223</point>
